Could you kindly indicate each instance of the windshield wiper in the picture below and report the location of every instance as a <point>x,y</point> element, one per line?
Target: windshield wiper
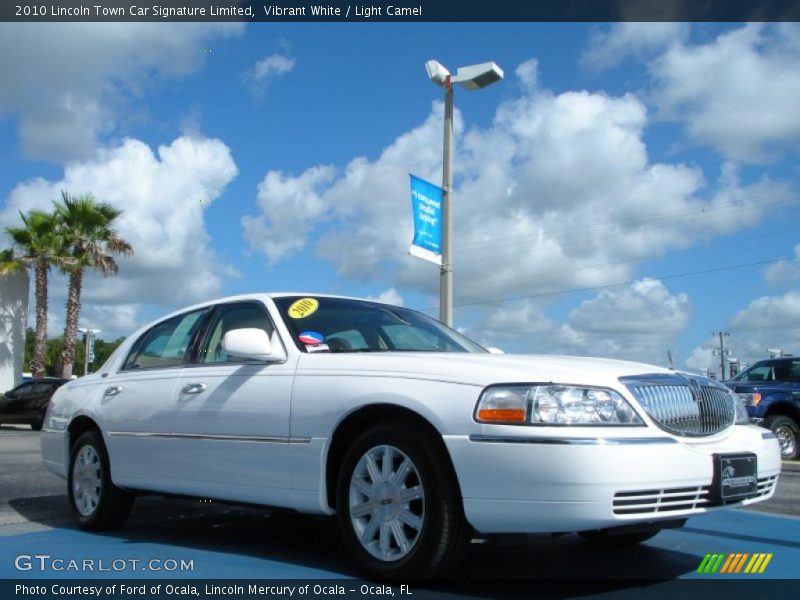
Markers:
<point>337,350</point>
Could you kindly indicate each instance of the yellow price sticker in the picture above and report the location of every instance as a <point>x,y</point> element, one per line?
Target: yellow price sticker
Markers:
<point>303,307</point>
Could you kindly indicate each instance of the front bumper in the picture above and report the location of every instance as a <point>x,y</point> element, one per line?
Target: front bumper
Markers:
<point>514,483</point>
<point>55,450</point>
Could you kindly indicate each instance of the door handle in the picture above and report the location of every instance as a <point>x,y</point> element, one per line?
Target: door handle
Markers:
<point>194,388</point>
<point>113,390</point>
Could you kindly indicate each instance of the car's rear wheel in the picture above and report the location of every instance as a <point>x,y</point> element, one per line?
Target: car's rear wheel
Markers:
<point>398,503</point>
<point>96,502</point>
<point>602,537</point>
<point>786,430</point>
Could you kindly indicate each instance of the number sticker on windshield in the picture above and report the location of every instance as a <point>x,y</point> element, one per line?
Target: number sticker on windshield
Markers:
<point>303,307</point>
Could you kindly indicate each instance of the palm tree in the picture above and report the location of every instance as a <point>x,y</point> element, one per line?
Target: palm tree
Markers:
<point>36,245</point>
<point>87,227</point>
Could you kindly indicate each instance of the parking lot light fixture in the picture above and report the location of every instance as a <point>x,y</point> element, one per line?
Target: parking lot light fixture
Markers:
<point>472,77</point>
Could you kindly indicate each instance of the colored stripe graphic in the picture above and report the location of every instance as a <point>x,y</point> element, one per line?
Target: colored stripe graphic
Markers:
<point>734,563</point>
<point>732,558</point>
<point>766,562</point>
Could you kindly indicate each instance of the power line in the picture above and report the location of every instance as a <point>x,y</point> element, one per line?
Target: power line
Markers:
<point>504,243</point>
<point>626,283</point>
<point>705,246</point>
<point>710,211</point>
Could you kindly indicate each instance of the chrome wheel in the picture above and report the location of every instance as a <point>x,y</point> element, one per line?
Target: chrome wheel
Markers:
<point>387,503</point>
<point>787,440</point>
<point>86,480</point>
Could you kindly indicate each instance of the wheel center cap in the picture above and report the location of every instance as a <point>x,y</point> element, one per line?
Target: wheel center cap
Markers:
<point>387,502</point>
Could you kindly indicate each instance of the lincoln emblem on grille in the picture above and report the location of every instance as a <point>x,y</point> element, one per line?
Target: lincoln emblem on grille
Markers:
<point>695,387</point>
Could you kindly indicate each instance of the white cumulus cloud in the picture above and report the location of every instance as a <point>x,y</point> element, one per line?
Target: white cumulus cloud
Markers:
<point>737,93</point>
<point>609,47</point>
<point>557,193</point>
<point>70,84</point>
<point>265,71</point>
<point>390,296</point>
<point>784,272</point>
<point>163,195</point>
<point>637,322</point>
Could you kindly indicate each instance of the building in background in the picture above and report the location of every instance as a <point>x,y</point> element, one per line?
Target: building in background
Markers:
<point>13,317</point>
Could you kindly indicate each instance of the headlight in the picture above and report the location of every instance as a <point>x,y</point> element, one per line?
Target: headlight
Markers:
<point>742,418</point>
<point>554,405</point>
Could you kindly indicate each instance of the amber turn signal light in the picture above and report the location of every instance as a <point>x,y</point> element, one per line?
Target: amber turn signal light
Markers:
<point>501,415</point>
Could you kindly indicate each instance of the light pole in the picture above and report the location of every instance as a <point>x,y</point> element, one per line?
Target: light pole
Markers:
<point>473,77</point>
<point>89,333</point>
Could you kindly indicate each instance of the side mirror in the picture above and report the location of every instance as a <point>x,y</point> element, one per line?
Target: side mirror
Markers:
<point>493,350</point>
<point>251,343</point>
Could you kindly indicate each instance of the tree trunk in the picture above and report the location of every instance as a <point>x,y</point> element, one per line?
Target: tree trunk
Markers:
<point>71,327</point>
<point>37,362</point>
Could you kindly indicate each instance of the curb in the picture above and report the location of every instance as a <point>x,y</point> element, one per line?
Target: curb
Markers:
<point>790,465</point>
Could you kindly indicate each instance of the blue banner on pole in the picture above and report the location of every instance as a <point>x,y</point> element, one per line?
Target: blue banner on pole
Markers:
<point>426,204</point>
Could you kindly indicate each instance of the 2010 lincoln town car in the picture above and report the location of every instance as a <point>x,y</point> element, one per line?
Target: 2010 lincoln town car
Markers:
<point>417,438</point>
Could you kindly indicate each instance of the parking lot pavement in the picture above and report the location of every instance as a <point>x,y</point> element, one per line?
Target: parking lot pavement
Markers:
<point>232,542</point>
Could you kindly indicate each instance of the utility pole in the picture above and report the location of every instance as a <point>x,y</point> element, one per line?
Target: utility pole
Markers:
<point>722,351</point>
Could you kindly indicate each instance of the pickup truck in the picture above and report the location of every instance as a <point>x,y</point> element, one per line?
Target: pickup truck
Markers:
<point>771,392</point>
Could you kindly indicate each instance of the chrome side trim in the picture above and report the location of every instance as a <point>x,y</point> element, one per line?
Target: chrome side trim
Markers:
<point>212,436</point>
<point>571,441</point>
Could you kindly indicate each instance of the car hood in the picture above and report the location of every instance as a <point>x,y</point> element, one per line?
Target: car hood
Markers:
<point>480,369</point>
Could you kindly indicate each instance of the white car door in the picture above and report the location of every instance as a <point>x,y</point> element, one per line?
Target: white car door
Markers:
<point>230,426</point>
<point>137,403</point>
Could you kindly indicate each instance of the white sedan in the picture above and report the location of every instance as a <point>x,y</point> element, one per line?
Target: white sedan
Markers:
<point>415,437</point>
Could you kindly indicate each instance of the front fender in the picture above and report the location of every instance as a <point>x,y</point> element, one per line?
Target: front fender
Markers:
<point>778,403</point>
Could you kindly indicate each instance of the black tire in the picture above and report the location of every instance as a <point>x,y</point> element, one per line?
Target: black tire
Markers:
<point>114,504</point>
<point>602,537</point>
<point>786,430</point>
<point>444,535</point>
<point>37,425</point>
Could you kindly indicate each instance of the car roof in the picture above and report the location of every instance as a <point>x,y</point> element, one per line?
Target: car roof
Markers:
<point>257,296</point>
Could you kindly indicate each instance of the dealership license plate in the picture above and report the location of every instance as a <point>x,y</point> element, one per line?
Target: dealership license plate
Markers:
<point>735,475</point>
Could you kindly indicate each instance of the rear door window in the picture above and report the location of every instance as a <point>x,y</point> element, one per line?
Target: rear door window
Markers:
<point>166,344</point>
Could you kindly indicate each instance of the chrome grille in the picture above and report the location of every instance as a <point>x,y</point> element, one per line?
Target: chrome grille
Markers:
<point>645,502</point>
<point>684,405</point>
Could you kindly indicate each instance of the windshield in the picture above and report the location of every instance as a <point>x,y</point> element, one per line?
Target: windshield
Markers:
<point>319,324</point>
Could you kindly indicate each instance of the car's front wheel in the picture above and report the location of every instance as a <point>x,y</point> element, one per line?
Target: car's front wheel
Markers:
<point>786,430</point>
<point>399,506</point>
<point>96,502</point>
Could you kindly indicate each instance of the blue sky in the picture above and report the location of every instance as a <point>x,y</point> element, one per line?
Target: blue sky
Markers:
<point>276,157</point>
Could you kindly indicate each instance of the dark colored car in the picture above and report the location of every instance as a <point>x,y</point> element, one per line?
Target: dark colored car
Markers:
<point>771,392</point>
<point>27,402</point>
